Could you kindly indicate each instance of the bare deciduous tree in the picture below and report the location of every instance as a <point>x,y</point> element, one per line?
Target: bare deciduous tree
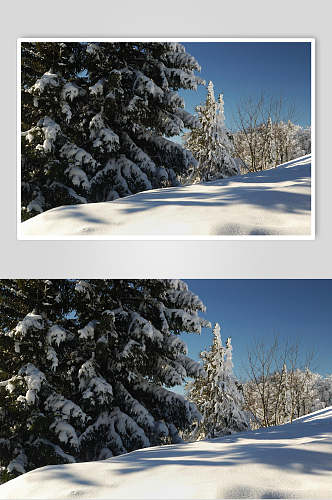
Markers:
<point>266,133</point>
<point>279,386</point>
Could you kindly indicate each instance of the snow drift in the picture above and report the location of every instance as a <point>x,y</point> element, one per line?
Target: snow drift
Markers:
<point>289,461</point>
<point>272,202</point>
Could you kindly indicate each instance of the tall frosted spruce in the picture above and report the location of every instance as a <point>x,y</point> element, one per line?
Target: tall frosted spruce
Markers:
<point>96,117</point>
<point>217,394</point>
<point>85,367</point>
<point>211,143</point>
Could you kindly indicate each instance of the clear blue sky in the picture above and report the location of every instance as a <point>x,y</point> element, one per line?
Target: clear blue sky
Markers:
<point>243,69</point>
<point>247,309</point>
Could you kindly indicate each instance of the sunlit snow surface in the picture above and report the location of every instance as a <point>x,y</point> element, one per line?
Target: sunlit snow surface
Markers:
<point>271,202</point>
<point>289,461</point>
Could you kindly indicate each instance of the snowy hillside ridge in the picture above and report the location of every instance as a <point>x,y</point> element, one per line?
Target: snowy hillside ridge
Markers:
<point>288,461</point>
<point>270,202</point>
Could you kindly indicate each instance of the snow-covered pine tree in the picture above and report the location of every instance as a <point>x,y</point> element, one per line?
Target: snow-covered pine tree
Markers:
<point>205,391</point>
<point>85,367</point>
<point>96,117</point>
<point>31,338</point>
<point>211,144</point>
<point>217,394</point>
<point>51,103</point>
<point>232,405</point>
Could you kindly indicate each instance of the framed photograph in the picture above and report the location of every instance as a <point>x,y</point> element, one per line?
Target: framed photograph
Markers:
<point>210,138</point>
<point>147,389</point>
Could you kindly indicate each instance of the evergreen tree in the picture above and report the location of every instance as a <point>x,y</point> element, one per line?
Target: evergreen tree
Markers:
<point>217,394</point>
<point>85,367</point>
<point>232,406</point>
<point>50,107</point>
<point>211,144</point>
<point>96,117</point>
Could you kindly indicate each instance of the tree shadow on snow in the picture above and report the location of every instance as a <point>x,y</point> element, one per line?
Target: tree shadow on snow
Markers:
<point>76,212</point>
<point>64,473</point>
<point>274,455</point>
<point>237,451</point>
<point>247,193</point>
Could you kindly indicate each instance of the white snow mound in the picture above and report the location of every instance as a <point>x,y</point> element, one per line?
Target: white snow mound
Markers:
<point>272,202</point>
<point>289,461</point>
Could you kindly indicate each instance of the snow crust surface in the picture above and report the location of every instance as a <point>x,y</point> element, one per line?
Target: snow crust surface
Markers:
<point>271,202</point>
<point>289,461</point>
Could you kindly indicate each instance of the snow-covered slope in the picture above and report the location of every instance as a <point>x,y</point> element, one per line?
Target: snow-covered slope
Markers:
<point>289,461</point>
<point>272,202</point>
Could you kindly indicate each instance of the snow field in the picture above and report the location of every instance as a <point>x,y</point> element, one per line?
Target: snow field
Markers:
<point>271,202</point>
<point>289,461</point>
